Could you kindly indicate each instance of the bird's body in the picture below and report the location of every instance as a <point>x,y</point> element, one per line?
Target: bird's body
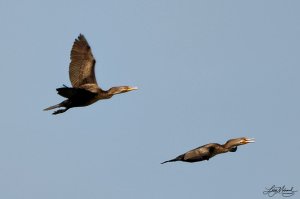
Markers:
<point>85,90</point>
<point>208,151</point>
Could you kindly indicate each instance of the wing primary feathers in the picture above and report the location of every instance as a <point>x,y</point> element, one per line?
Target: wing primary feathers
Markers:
<point>82,65</point>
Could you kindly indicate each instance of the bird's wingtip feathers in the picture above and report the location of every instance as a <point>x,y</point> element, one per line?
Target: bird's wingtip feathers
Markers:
<point>81,37</point>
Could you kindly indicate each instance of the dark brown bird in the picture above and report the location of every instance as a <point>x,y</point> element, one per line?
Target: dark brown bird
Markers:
<point>85,90</point>
<point>208,151</point>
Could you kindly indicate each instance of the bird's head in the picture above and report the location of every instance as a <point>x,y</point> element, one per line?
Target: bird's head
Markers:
<point>233,143</point>
<point>121,89</point>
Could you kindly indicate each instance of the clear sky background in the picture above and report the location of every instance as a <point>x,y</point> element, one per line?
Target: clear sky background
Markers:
<point>207,71</point>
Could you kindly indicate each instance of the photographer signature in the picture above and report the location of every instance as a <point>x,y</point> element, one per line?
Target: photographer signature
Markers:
<point>285,192</point>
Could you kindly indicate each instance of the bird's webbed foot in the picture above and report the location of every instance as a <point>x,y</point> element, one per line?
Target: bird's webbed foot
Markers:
<point>60,111</point>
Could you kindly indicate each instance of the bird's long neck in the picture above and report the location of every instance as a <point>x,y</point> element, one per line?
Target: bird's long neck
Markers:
<point>111,91</point>
<point>222,148</point>
<point>228,146</point>
<point>102,94</point>
<point>106,94</point>
<point>215,149</point>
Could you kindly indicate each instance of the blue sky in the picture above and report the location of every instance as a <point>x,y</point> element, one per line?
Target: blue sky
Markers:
<point>207,71</point>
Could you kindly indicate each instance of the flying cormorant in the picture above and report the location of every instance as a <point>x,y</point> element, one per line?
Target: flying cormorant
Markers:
<point>85,90</point>
<point>208,151</point>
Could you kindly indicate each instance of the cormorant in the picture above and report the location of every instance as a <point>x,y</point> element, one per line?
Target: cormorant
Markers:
<point>85,90</point>
<point>207,151</point>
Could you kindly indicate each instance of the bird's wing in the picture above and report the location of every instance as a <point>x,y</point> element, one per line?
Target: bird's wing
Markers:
<point>82,66</point>
<point>201,153</point>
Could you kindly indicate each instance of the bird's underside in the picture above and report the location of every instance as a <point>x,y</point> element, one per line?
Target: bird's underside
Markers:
<point>203,153</point>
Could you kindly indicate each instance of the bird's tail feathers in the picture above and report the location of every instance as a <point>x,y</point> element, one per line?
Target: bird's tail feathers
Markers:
<point>178,158</point>
<point>53,107</point>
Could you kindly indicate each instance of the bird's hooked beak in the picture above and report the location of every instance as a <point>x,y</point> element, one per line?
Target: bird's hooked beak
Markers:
<point>132,88</point>
<point>248,140</point>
